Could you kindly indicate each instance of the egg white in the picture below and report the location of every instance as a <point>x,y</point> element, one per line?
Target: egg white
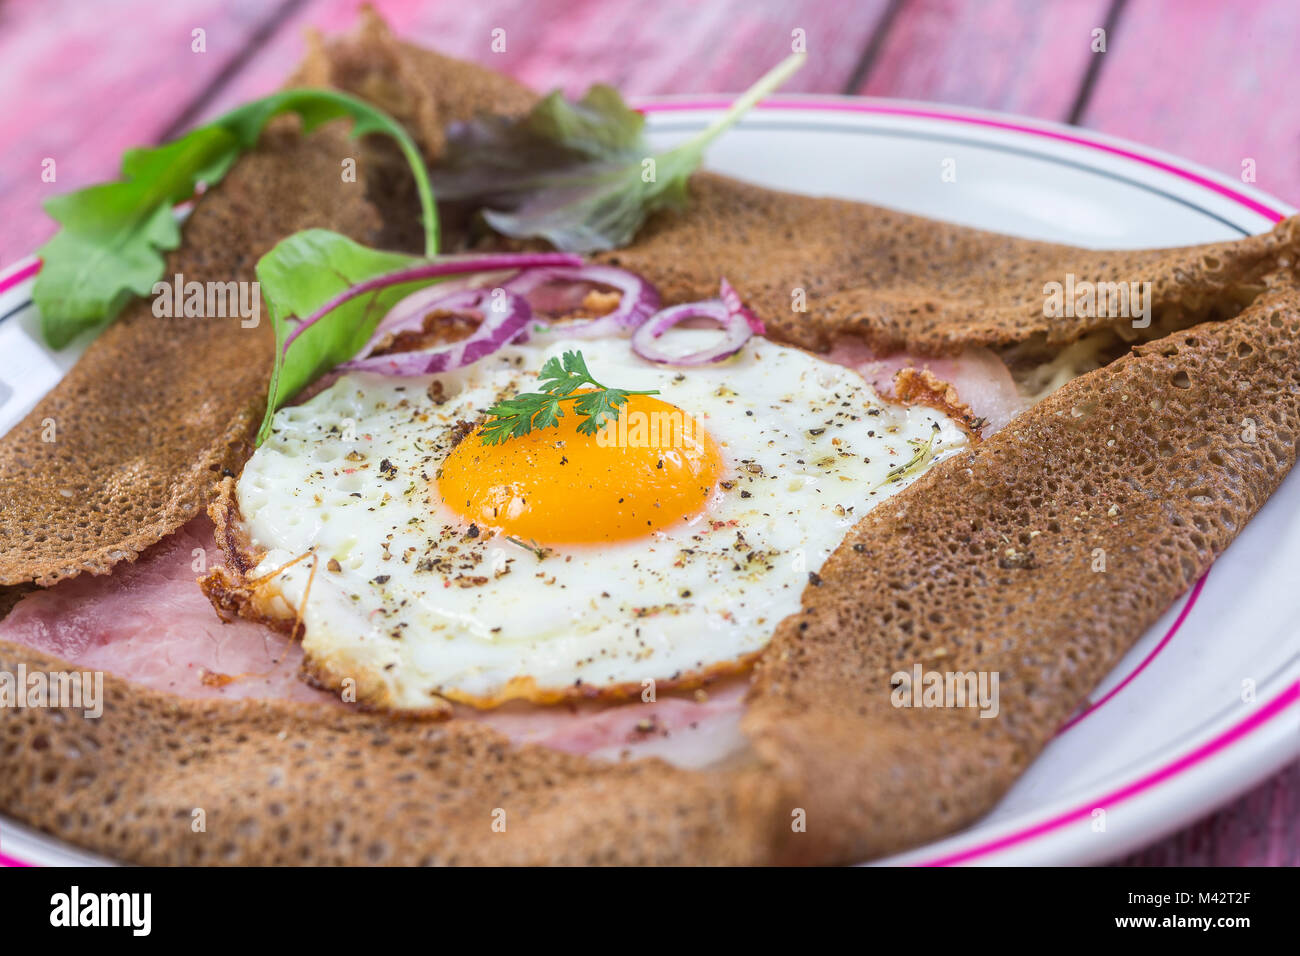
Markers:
<point>417,607</point>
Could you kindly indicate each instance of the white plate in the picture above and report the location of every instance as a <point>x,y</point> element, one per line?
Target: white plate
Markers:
<point>1169,736</point>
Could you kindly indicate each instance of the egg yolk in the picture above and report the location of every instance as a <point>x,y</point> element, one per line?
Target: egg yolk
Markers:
<point>652,467</point>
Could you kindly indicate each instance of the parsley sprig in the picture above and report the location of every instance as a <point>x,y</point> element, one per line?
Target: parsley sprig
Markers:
<point>560,379</point>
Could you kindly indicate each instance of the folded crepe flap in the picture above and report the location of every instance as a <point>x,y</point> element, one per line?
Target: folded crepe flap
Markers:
<point>815,268</point>
<point>424,91</point>
<point>276,783</point>
<point>158,408</point>
<point>1038,556</point>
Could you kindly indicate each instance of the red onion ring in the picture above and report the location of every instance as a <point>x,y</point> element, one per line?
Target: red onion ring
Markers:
<point>639,301</point>
<point>731,299</point>
<point>738,323</point>
<point>436,269</point>
<point>498,328</point>
<point>408,314</point>
<point>737,332</point>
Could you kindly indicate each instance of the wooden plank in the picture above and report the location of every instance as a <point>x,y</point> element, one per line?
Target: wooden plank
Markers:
<point>674,46</point>
<point>83,82</point>
<point>1019,56</point>
<point>135,71</point>
<point>1209,81</point>
<point>1260,829</point>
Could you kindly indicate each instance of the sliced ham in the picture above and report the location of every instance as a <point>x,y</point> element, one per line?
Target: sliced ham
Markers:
<point>149,622</point>
<point>691,730</point>
<point>981,379</point>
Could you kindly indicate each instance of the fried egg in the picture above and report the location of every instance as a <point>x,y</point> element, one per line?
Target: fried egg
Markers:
<point>429,566</point>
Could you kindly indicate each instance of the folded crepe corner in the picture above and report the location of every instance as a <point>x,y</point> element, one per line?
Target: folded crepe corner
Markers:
<point>143,429</point>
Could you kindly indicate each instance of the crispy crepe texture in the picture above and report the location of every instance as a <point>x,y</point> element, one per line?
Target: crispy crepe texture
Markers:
<point>157,408</point>
<point>143,426</point>
<point>990,563</point>
<point>902,282</point>
<point>986,564</point>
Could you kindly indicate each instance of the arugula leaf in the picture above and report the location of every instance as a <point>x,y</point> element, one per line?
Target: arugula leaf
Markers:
<point>559,379</point>
<point>300,275</point>
<point>579,175</point>
<point>113,236</point>
<point>108,248</point>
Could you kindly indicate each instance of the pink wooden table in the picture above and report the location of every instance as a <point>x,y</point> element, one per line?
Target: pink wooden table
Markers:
<point>1205,79</point>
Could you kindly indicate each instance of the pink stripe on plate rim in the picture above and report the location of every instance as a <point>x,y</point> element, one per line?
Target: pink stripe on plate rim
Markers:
<point>22,271</point>
<point>1164,641</point>
<point>1187,761</point>
<point>13,861</point>
<point>851,105</point>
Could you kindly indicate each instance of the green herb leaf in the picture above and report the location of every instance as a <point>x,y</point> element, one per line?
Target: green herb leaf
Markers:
<point>598,406</point>
<point>300,275</point>
<point>579,175</point>
<point>923,451</point>
<point>109,247</point>
<point>114,234</point>
<point>560,378</point>
<point>538,551</point>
